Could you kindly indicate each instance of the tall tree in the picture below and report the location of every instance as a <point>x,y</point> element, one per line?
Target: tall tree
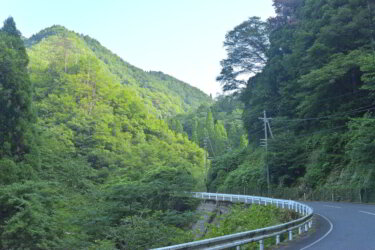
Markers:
<point>10,27</point>
<point>247,46</point>
<point>221,138</point>
<point>210,125</point>
<point>15,91</point>
<point>194,134</point>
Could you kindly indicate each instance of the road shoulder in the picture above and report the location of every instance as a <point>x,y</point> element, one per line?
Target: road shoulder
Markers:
<point>320,228</point>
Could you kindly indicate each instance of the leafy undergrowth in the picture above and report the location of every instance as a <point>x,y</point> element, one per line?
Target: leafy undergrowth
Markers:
<point>243,218</point>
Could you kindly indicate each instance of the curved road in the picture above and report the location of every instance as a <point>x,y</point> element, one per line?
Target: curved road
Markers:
<point>339,226</point>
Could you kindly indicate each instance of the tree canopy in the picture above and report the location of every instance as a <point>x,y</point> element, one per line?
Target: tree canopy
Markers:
<point>247,47</point>
<point>317,85</point>
<point>15,92</point>
<point>93,166</point>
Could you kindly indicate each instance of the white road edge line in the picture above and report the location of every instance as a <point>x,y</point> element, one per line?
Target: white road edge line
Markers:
<point>329,231</point>
<point>331,206</point>
<point>367,212</point>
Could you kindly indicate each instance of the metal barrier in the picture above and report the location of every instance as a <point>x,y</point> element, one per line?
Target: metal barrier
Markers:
<point>258,235</point>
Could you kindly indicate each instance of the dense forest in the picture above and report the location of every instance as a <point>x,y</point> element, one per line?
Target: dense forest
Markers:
<point>167,95</point>
<point>311,68</point>
<point>98,154</point>
<point>86,162</point>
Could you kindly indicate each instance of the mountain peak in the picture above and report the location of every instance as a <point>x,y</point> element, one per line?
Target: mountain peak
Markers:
<point>50,31</point>
<point>166,95</point>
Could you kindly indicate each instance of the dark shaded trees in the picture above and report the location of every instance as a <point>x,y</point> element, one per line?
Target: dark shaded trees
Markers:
<point>318,77</point>
<point>15,91</point>
<point>247,46</point>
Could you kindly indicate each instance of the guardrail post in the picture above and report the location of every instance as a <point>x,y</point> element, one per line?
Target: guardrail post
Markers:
<point>291,205</point>
<point>278,239</point>
<point>290,235</point>
<point>261,245</point>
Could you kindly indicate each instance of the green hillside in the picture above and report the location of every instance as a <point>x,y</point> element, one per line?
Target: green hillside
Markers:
<point>85,161</point>
<point>165,95</point>
<point>313,73</point>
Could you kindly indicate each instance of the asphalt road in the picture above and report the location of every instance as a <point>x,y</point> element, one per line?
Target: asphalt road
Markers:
<point>339,226</point>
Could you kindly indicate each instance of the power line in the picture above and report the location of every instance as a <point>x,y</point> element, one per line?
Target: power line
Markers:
<point>301,120</point>
<point>336,116</point>
<point>320,101</point>
<point>316,132</point>
<point>339,96</point>
<point>357,110</point>
<point>275,100</point>
<point>321,131</point>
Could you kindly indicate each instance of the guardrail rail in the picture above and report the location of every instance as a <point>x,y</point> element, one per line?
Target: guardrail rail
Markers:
<point>257,235</point>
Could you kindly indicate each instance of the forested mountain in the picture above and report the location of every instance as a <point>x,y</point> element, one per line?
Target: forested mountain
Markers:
<point>85,161</point>
<point>217,128</point>
<point>312,70</point>
<point>98,154</point>
<point>165,95</point>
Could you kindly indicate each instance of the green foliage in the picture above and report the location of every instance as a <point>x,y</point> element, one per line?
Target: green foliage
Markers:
<point>10,27</point>
<point>194,132</point>
<point>29,218</point>
<point>242,218</point>
<point>286,160</point>
<point>317,85</point>
<point>101,170</point>
<point>166,95</point>
<point>247,46</point>
<point>217,128</point>
<point>238,171</point>
<point>360,150</point>
<point>15,92</point>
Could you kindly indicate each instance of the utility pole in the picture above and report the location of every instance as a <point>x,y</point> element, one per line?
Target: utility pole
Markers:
<point>264,143</point>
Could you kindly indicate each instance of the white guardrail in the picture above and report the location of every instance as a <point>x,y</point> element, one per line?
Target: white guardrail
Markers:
<point>258,235</point>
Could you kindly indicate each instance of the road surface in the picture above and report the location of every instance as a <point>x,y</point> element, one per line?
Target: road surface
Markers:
<point>339,226</point>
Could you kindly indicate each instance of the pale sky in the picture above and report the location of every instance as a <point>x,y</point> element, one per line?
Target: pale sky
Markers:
<point>182,38</point>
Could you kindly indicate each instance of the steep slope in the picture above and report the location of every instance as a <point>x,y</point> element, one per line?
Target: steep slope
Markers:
<point>75,92</point>
<point>317,84</point>
<point>102,171</point>
<point>167,95</point>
